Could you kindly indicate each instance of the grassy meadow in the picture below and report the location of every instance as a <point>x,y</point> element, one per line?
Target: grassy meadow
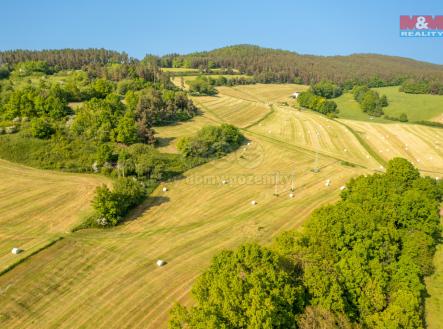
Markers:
<point>416,107</point>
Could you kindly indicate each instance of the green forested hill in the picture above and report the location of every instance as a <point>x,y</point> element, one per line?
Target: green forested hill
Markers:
<point>274,65</point>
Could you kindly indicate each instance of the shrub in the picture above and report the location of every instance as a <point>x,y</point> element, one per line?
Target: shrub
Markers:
<point>402,118</point>
<point>202,86</point>
<point>326,89</point>
<point>41,128</point>
<point>27,68</point>
<point>369,100</point>
<point>112,206</point>
<point>317,103</point>
<point>211,141</point>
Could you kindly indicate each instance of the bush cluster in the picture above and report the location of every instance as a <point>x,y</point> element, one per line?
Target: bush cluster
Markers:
<point>317,103</point>
<point>369,100</point>
<point>112,205</point>
<point>211,141</point>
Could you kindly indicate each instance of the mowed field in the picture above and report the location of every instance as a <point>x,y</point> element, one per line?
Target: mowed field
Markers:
<point>37,206</point>
<point>241,106</point>
<point>316,133</point>
<point>421,145</point>
<point>416,107</point>
<point>108,278</point>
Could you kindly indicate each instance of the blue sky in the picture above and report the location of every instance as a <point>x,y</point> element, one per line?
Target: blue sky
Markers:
<point>159,27</point>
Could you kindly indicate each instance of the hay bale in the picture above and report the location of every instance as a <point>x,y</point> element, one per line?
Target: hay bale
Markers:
<point>16,251</point>
<point>342,188</point>
<point>161,263</point>
<point>165,189</point>
<point>291,195</point>
<point>95,167</point>
<point>253,202</point>
<point>224,182</point>
<point>328,182</point>
<point>11,130</point>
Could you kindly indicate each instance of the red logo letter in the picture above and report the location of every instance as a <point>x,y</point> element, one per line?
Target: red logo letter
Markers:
<point>408,22</point>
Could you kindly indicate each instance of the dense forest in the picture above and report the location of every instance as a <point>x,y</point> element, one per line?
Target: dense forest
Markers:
<point>65,59</point>
<point>272,65</point>
<point>359,263</point>
<point>266,65</point>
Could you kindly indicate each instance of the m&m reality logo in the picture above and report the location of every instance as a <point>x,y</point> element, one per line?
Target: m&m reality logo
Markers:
<point>421,26</point>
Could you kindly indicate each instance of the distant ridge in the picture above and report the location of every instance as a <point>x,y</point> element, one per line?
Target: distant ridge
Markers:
<point>265,64</point>
<point>275,65</point>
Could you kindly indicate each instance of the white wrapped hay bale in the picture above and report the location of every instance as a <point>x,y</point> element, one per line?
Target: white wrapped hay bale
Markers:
<point>161,263</point>
<point>16,251</point>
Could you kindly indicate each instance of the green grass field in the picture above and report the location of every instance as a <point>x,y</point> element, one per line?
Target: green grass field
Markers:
<point>108,278</point>
<point>416,107</point>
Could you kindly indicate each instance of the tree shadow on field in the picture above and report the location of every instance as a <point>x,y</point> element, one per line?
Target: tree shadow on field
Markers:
<point>164,141</point>
<point>150,202</point>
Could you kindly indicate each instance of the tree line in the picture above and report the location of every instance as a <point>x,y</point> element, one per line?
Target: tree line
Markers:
<point>359,263</point>
<point>65,59</point>
<point>412,86</point>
